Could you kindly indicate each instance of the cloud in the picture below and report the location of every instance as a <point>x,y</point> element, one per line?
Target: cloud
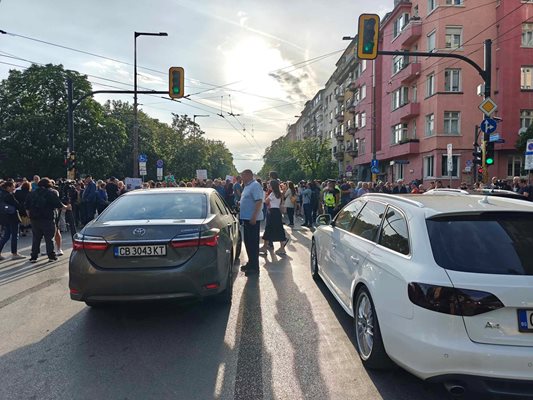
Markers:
<point>292,84</point>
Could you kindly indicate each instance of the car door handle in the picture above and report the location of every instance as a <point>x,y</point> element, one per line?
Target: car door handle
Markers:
<point>355,260</point>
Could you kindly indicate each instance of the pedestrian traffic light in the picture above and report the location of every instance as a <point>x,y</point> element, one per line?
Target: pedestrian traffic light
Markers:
<point>367,36</point>
<point>71,162</point>
<point>480,171</point>
<point>477,155</point>
<point>489,153</point>
<point>176,87</point>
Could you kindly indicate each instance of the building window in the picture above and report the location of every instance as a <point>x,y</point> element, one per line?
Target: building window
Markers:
<point>399,63</point>
<point>515,165</point>
<point>452,123</point>
<point>454,2</point>
<point>362,147</point>
<point>430,85</point>
<point>432,4</point>
<point>526,77</point>
<point>398,171</point>
<point>526,118</point>
<point>356,121</point>
<point>363,92</point>
<point>429,165</point>
<point>527,35</point>
<point>363,119</point>
<point>400,97</point>
<point>431,41</point>
<point>454,36</point>
<point>430,124</point>
<point>455,166</point>
<point>399,133</point>
<point>363,65</point>
<point>452,80</point>
<point>415,11</point>
<point>400,23</point>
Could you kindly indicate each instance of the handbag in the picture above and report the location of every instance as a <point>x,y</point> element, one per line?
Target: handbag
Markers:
<point>7,209</point>
<point>293,199</point>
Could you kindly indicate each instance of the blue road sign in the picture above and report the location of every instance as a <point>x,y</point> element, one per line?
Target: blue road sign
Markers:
<point>488,126</point>
<point>159,163</point>
<point>374,163</point>
<point>375,170</point>
<point>494,137</point>
<point>530,147</point>
<point>143,158</point>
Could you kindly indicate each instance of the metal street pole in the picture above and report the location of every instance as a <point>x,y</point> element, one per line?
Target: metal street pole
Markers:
<point>135,104</point>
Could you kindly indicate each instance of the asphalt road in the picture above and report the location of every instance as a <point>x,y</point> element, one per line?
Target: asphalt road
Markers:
<point>284,337</point>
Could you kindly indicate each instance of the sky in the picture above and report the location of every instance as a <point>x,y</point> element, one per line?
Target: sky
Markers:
<point>258,60</point>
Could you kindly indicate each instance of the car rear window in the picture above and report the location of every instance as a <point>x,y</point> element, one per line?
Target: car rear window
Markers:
<point>157,206</point>
<point>489,243</point>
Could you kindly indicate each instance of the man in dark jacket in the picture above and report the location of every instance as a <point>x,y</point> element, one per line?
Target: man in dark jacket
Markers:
<point>40,206</point>
<point>9,219</point>
<point>88,199</point>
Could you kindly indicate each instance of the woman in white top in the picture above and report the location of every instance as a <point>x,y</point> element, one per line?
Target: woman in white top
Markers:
<point>274,231</point>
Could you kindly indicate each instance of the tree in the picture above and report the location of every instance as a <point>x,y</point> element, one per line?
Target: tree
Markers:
<point>523,138</point>
<point>33,124</point>
<point>279,157</point>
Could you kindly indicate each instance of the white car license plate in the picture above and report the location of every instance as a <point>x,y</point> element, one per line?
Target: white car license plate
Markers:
<point>141,251</point>
<point>525,320</point>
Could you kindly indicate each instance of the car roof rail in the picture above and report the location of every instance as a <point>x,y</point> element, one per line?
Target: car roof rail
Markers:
<point>396,197</point>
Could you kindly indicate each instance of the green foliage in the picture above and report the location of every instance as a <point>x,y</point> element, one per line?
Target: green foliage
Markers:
<point>33,132</point>
<point>307,159</point>
<point>523,138</point>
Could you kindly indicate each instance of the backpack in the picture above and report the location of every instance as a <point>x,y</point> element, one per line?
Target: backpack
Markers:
<point>39,202</point>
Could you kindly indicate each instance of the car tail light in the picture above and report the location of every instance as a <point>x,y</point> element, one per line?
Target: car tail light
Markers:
<point>206,238</point>
<point>214,285</point>
<point>450,300</point>
<point>95,243</point>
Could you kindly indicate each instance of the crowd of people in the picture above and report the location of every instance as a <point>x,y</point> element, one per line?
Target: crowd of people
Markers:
<point>44,206</point>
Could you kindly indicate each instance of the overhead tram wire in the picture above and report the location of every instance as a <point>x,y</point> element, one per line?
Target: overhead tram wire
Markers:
<point>214,86</point>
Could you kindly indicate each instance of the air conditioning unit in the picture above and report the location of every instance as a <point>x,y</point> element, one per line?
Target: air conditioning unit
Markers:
<point>481,89</point>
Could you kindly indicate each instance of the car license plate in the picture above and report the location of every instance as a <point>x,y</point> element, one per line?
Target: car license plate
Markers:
<point>141,251</point>
<point>525,320</point>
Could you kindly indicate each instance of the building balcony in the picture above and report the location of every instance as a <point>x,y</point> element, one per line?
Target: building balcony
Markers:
<point>352,106</point>
<point>339,155</point>
<point>351,130</point>
<point>339,134</point>
<point>352,87</point>
<point>353,153</point>
<point>339,96</point>
<point>403,148</point>
<point>409,73</point>
<point>410,34</point>
<point>340,117</point>
<point>406,112</point>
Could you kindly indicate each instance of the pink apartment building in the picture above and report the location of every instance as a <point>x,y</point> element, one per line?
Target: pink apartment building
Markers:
<point>427,103</point>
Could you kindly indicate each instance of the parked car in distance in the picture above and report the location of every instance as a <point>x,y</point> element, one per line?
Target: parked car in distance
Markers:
<point>438,284</point>
<point>157,244</point>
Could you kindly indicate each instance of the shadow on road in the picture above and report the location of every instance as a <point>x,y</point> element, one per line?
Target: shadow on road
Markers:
<point>137,351</point>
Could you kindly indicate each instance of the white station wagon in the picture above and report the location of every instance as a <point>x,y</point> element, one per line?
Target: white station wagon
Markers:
<point>442,285</point>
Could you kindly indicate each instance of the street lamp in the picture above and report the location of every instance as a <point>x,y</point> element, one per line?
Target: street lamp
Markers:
<point>135,125</point>
<point>198,115</point>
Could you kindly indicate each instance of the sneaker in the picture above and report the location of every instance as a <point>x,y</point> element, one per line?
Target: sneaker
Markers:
<point>59,252</point>
<point>281,252</point>
<point>17,257</point>
<point>33,260</point>
<point>52,259</point>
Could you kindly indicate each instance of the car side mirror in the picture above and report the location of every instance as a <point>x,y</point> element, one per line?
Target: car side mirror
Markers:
<point>323,219</point>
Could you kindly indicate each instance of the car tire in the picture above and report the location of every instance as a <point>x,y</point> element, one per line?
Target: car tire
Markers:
<point>96,304</point>
<point>368,334</point>
<point>226,295</point>
<point>238,248</point>
<point>314,262</point>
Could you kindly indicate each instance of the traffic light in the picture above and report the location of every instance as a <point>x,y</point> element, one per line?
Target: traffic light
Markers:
<point>367,36</point>
<point>489,153</point>
<point>477,155</point>
<point>71,162</point>
<point>176,87</point>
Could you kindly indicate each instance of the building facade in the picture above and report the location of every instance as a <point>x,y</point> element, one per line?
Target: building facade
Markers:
<point>404,111</point>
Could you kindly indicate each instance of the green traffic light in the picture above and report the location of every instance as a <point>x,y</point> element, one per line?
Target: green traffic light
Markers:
<point>489,161</point>
<point>176,90</point>
<point>368,47</point>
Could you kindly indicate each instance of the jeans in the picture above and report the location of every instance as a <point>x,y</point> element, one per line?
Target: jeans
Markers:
<point>251,243</point>
<point>307,212</point>
<point>10,231</point>
<point>40,228</point>
<point>331,211</point>
<point>290,214</point>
